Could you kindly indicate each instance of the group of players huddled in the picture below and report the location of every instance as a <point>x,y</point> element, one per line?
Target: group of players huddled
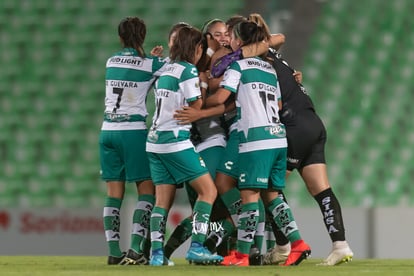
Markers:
<point>232,120</point>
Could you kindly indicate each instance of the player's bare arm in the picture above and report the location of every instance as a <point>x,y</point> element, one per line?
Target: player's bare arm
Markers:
<point>189,114</point>
<point>276,40</point>
<point>219,97</point>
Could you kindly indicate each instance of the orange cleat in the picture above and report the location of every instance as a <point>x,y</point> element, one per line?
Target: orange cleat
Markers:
<point>236,259</point>
<point>299,252</point>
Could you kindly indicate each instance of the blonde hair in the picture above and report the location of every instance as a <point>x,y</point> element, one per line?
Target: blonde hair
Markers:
<point>258,19</point>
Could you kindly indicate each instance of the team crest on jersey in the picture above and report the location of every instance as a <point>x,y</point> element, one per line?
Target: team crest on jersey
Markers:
<point>194,71</point>
<point>152,136</point>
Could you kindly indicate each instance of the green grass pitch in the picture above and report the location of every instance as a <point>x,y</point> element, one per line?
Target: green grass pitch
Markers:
<point>86,265</point>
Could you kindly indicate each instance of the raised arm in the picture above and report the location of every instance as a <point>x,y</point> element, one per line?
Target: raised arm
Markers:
<point>256,49</point>
<point>276,40</point>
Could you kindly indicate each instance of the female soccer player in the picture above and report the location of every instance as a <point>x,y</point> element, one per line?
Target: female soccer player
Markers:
<point>262,139</point>
<point>173,159</point>
<point>129,76</point>
<point>226,181</point>
<point>306,137</point>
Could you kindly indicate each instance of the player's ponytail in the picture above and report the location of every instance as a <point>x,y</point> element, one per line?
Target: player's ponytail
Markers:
<point>132,31</point>
<point>258,19</point>
<point>249,32</point>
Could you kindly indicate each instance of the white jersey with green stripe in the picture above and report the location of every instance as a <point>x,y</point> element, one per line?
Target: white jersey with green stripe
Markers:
<point>177,86</point>
<point>255,82</point>
<point>129,78</point>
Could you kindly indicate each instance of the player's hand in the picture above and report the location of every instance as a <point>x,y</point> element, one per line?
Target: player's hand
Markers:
<point>298,76</point>
<point>212,43</point>
<point>187,115</point>
<point>157,51</point>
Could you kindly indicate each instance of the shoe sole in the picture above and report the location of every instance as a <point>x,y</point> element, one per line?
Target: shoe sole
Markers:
<point>235,264</point>
<point>155,264</point>
<point>115,260</point>
<point>269,260</point>
<point>305,254</point>
<point>204,262</point>
<point>141,260</point>
<point>128,261</point>
<point>344,260</point>
<point>201,261</point>
<point>165,263</point>
<point>238,264</point>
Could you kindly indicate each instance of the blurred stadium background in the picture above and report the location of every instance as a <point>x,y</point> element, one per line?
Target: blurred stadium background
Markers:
<point>357,58</point>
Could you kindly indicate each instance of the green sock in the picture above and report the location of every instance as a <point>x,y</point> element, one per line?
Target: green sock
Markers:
<point>248,221</point>
<point>270,237</point>
<point>283,217</point>
<point>232,200</point>
<point>180,234</point>
<point>140,222</point>
<point>201,219</point>
<point>112,223</point>
<point>158,227</point>
<point>260,231</point>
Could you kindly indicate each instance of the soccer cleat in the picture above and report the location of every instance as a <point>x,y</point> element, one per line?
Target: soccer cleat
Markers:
<point>228,258</point>
<point>341,253</point>
<point>277,254</point>
<point>198,254</point>
<point>299,251</point>
<point>158,259</point>
<point>134,258</point>
<point>255,258</point>
<point>115,260</point>
<point>236,259</point>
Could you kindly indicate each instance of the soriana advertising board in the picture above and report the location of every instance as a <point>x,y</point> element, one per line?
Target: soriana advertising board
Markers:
<point>65,231</point>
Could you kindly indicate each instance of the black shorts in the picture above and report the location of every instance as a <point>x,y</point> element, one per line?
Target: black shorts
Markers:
<point>306,136</point>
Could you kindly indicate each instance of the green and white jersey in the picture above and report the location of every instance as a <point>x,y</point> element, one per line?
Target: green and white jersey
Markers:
<point>176,87</point>
<point>129,78</point>
<point>255,82</point>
